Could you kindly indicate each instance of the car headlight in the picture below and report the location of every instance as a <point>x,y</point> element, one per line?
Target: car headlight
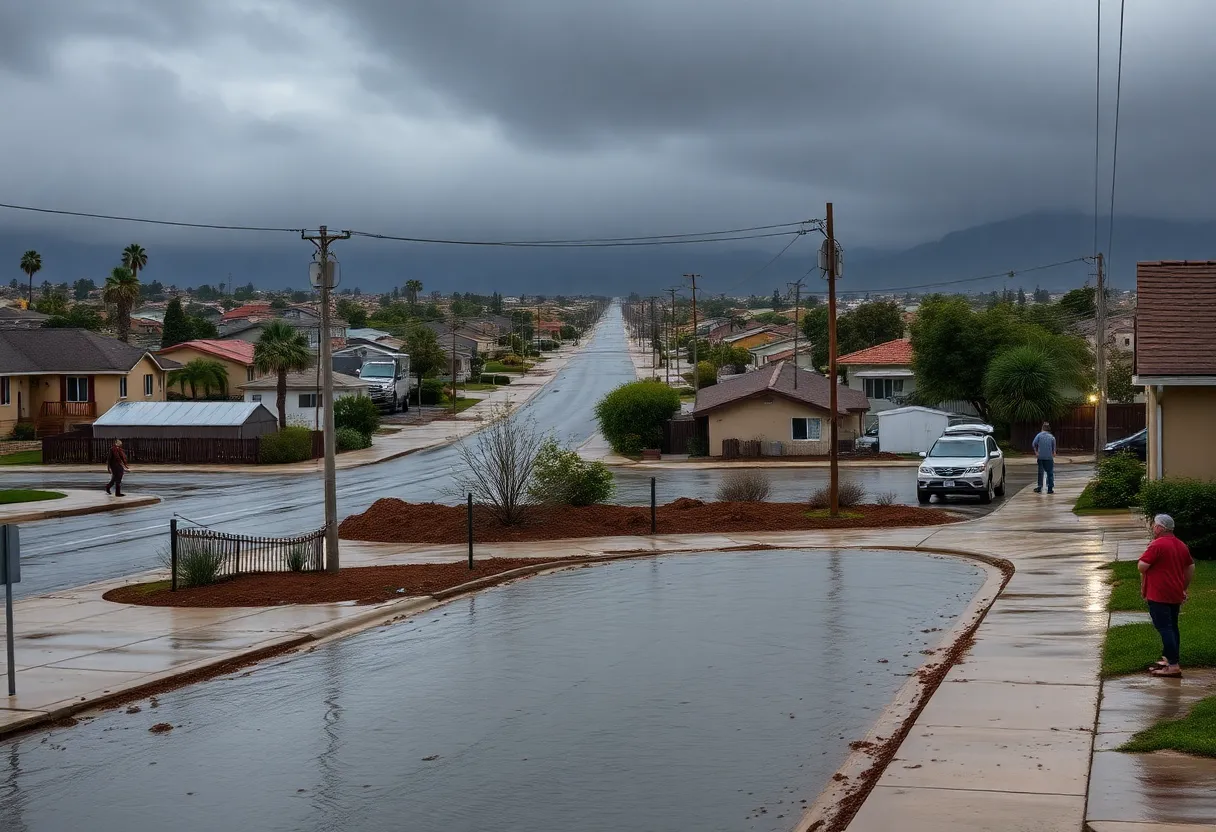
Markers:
<point>975,469</point>
<point>926,471</point>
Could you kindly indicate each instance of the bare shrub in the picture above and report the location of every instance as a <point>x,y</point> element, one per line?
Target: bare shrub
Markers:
<point>886,498</point>
<point>498,463</point>
<point>749,486</point>
<point>848,494</point>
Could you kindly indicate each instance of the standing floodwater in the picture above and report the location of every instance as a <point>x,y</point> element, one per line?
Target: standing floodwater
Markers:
<point>697,692</point>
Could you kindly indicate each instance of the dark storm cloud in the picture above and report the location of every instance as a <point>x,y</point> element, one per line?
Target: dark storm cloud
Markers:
<point>546,117</point>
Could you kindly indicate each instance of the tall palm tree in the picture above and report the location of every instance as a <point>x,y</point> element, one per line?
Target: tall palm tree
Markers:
<point>31,264</point>
<point>413,287</point>
<point>135,258</point>
<point>122,290</point>
<point>282,350</point>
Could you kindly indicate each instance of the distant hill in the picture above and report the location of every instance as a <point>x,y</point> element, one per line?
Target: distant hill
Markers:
<point>372,265</point>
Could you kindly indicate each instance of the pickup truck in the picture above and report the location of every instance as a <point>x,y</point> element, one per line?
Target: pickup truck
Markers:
<point>388,381</point>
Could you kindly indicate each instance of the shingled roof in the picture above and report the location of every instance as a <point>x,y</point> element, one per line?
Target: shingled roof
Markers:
<point>1176,318</point>
<point>813,389</point>
<point>78,351</point>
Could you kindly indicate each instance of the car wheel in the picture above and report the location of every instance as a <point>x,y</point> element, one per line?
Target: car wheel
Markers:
<point>1000,489</point>
<point>986,497</point>
<point>923,497</point>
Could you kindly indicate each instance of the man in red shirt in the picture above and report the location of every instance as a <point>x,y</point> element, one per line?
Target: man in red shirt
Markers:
<point>1166,569</point>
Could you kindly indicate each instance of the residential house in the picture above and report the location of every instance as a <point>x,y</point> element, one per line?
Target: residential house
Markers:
<point>14,317</point>
<point>235,356</point>
<point>749,338</point>
<point>461,341</point>
<point>1120,331</point>
<point>882,372</point>
<point>304,400</point>
<point>247,312</point>
<point>783,350</point>
<point>58,378</point>
<point>1175,361</point>
<point>302,319</point>
<point>765,404</point>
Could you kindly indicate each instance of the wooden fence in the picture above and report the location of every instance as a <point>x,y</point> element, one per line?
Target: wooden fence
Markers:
<point>85,450</point>
<point>1074,431</point>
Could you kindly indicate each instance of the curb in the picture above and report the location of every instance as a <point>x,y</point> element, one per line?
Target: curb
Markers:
<point>101,508</point>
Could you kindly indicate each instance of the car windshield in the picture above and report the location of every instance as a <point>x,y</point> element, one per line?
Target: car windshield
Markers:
<point>377,371</point>
<point>959,447</point>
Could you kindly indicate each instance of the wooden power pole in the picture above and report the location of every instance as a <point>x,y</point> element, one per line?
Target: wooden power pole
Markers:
<point>1100,359</point>
<point>834,450</point>
<point>696,376</point>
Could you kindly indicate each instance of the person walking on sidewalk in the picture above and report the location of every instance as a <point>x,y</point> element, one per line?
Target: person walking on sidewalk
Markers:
<point>117,464</point>
<point>1044,445</point>
<point>1166,569</point>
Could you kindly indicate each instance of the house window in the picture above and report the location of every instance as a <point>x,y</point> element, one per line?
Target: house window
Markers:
<point>883,388</point>
<point>806,427</point>
<point>256,397</point>
<point>78,388</point>
<point>147,384</point>
<point>4,391</point>
<point>122,387</point>
<point>248,374</point>
<point>308,400</point>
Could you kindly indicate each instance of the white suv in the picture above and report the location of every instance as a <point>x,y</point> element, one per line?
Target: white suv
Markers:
<point>965,460</point>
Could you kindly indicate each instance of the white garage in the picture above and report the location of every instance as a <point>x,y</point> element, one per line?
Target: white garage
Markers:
<point>910,430</point>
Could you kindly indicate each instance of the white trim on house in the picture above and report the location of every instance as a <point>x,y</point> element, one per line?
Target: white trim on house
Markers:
<point>894,372</point>
<point>1174,381</point>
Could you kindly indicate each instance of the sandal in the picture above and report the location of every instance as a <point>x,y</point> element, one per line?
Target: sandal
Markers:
<point>1163,673</point>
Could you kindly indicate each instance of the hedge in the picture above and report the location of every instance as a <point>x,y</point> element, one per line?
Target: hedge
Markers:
<point>349,439</point>
<point>633,415</point>
<point>1192,504</point>
<point>292,444</point>
<point>1118,482</point>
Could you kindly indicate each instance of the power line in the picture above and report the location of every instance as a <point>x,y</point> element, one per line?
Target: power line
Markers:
<point>656,241</point>
<point>1097,123</point>
<point>1114,161</point>
<point>147,221</point>
<point>975,279</point>
<point>771,261</point>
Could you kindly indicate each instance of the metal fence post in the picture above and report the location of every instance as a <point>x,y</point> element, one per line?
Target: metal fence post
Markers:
<point>653,509</point>
<point>470,517</point>
<point>173,554</point>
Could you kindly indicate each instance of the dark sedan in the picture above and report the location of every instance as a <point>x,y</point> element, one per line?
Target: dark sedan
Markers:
<point>1136,444</point>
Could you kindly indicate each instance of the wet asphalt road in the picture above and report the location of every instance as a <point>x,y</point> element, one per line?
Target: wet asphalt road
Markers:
<point>668,694</point>
<point>68,552</point>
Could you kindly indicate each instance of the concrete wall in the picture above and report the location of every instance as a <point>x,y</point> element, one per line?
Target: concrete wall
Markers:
<point>770,418</point>
<point>1188,441</point>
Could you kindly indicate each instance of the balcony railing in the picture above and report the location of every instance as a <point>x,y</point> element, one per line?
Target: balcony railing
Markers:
<point>68,410</point>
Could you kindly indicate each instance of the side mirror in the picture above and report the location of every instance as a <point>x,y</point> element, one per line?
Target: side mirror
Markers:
<point>923,454</point>
<point>994,454</point>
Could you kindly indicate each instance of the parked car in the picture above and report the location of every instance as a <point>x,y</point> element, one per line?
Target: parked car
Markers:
<point>868,441</point>
<point>965,460</point>
<point>388,381</point>
<point>1136,444</point>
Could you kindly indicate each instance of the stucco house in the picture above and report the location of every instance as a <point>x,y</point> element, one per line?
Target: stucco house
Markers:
<point>1175,361</point>
<point>882,372</point>
<point>304,400</point>
<point>235,356</point>
<point>764,404</point>
<point>58,378</point>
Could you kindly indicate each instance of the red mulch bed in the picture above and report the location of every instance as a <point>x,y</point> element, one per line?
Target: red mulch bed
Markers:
<point>364,584</point>
<point>390,520</point>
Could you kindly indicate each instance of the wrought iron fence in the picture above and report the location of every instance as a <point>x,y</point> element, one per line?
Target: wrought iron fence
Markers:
<point>201,555</point>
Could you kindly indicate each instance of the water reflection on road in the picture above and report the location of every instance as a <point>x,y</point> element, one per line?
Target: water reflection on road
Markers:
<point>688,692</point>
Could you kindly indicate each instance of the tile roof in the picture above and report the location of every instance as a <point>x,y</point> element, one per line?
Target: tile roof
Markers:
<point>306,380</point>
<point>27,351</point>
<point>1176,318</point>
<point>898,352</point>
<point>813,389</point>
<point>238,351</point>
<point>246,311</point>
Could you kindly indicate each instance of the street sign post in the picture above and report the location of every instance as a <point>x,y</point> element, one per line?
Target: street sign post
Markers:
<point>10,573</point>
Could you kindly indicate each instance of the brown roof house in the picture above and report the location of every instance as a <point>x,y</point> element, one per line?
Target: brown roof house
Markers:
<point>765,405</point>
<point>1175,361</point>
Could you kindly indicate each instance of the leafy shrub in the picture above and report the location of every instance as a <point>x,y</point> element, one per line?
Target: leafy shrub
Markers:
<point>24,431</point>
<point>1192,504</point>
<point>744,487</point>
<point>494,378</point>
<point>513,360</point>
<point>698,446</point>
<point>848,494</point>
<point>1118,482</point>
<point>349,439</point>
<point>359,413</point>
<point>298,557</point>
<point>431,391</point>
<point>886,498</point>
<point>291,444</point>
<point>561,477</point>
<point>632,416</point>
<point>707,374</point>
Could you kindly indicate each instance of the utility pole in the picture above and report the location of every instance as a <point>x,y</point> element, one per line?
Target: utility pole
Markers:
<point>834,450</point>
<point>538,331</point>
<point>321,240</point>
<point>654,340</point>
<point>797,287</point>
<point>673,334</point>
<point>696,375</point>
<point>1100,356</point>
<point>453,325</point>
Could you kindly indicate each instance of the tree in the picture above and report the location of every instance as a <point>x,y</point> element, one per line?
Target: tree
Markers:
<point>278,303</point>
<point>206,373</point>
<point>426,356</point>
<point>498,462</point>
<point>1021,297</point>
<point>135,258</point>
<point>31,264</point>
<point>80,316</point>
<point>177,327</point>
<point>1080,303</point>
<point>412,289</point>
<point>1119,387</point>
<point>870,324</point>
<point>358,413</point>
<point>122,290</point>
<point>353,313</point>
<point>52,303</point>
<point>1022,384</point>
<point>778,302</point>
<point>1041,295</point>
<point>82,287</point>
<point>201,327</point>
<point>632,416</point>
<point>282,350</point>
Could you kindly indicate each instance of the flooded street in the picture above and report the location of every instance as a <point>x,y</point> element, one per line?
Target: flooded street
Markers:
<point>708,692</point>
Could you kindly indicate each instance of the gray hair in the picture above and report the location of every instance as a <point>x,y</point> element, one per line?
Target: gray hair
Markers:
<point>1164,521</point>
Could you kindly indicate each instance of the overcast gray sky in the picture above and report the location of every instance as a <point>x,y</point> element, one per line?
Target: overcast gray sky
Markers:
<point>544,118</point>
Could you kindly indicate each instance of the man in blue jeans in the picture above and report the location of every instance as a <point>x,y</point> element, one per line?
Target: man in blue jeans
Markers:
<point>1045,449</point>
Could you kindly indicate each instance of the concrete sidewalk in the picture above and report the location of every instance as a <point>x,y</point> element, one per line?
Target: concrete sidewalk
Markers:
<point>74,502</point>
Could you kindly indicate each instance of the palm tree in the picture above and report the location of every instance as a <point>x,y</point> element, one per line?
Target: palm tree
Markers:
<point>1023,384</point>
<point>122,290</point>
<point>135,258</point>
<point>31,264</point>
<point>201,372</point>
<point>282,350</point>
<point>413,287</point>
